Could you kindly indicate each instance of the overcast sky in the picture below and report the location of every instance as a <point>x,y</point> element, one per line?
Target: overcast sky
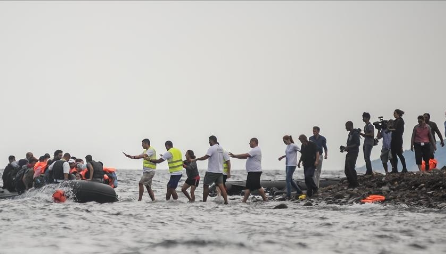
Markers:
<point>98,77</point>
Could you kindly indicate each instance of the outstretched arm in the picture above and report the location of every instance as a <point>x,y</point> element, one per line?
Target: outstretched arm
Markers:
<point>240,156</point>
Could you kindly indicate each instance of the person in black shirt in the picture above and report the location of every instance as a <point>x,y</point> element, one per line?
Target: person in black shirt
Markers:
<point>435,130</point>
<point>352,149</point>
<point>193,177</point>
<point>310,159</point>
<point>396,145</point>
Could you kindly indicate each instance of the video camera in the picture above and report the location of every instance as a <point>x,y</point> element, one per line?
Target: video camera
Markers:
<point>382,124</point>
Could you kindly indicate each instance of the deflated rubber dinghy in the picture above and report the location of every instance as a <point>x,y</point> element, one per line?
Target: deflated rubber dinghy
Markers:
<point>237,187</point>
<point>87,191</point>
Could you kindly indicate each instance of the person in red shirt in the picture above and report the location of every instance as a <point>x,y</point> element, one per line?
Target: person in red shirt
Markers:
<point>422,140</point>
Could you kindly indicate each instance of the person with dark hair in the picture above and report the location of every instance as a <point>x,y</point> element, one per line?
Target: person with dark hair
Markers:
<point>321,143</point>
<point>290,164</point>
<point>29,173</point>
<point>40,166</point>
<point>193,177</point>
<point>10,172</point>
<point>396,145</point>
<point>23,162</point>
<point>175,161</point>
<point>352,149</point>
<point>369,141</point>
<point>60,168</point>
<point>422,140</point>
<point>49,173</point>
<point>310,160</point>
<point>148,168</point>
<point>254,169</point>
<point>435,130</point>
<point>214,173</point>
<point>95,170</point>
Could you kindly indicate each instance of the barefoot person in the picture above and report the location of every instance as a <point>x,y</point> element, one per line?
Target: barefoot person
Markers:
<point>214,174</point>
<point>253,167</point>
<point>148,168</point>
<point>175,161</point>
<point>422,141</point>
<point>193,177</point>
<point>291,164</point>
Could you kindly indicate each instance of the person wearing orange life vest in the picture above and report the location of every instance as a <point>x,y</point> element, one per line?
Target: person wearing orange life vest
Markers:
<point>148,168</point>
<point>41,165</point>
<point>175,162</point>
<point>422,141</point>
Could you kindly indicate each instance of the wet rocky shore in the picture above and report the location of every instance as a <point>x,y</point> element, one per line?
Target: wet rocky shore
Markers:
<point>411,189</point>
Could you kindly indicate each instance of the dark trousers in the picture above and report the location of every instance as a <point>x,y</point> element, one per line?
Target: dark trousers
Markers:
<point>368,163</point>
<point>396,148</point>
<point>309,181</point>
<point>422,153</point>
<point>350,171</point>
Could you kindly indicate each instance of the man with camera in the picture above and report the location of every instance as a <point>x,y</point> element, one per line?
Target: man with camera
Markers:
<point>352,150</point>
<point>385,134</point>
<point>369,141</point>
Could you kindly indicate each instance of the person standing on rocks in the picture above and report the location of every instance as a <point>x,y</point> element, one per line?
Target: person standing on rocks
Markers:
<point>352,149</point>
<point>291,164</point>
<point>422,141</point>
<point>396,145</point>
<point>435,130</point>
<point>321,142</point>
<point>310,159</point>
<point>386,135</point>
<point>369,135</point>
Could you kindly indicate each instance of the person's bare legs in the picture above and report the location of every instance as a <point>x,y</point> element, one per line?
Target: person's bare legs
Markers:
<point>141,191</point>
<point>192,192</point>
<point>205,192</point>
<point>184,190</point>
<point>223,192</point>
<point>247,193</point>
<point>262,193</point>
<point>151,194</point>
<point>174,194</point>
<point>168,193</point>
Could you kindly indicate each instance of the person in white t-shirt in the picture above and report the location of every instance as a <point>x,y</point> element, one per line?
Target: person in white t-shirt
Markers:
<point>253,167</point>
<point>148,168</point>
<point>216,157</point>
<point>291,164</point>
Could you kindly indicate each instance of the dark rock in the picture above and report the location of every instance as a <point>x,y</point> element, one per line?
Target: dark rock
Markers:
<point>308,204</point>
<point>339,196</point>
<point>281,206</point>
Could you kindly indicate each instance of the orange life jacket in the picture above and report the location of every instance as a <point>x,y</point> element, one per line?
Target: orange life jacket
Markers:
<point>73,170</point>
<point>432,164</point>
<point>373,198</point>
<point>82,173</point>
<point>107,179</point>
<point>109,170</point>
<point>59,196</point>
<point>42,165</point>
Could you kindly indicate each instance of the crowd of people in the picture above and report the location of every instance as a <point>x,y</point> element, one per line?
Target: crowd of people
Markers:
<point>30,172</point>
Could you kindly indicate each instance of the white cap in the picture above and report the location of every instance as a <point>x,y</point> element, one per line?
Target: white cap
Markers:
<point>71,161</point>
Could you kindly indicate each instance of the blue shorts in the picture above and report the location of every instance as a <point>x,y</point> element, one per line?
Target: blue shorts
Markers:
<point>173,182</point>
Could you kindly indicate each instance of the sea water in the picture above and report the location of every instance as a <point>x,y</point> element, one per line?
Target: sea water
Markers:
<point>33,223</point>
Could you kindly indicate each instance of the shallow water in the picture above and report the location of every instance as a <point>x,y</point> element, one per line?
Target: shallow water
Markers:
<point>32,223</point>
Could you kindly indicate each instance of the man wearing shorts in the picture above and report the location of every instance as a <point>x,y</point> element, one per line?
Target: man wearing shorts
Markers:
<point>253,167</point>
<point>214,174</point>
<point>148,168</point>
<point>175,161</point>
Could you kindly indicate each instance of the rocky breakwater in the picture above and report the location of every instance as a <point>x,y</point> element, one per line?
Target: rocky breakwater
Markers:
<point>411,189</point>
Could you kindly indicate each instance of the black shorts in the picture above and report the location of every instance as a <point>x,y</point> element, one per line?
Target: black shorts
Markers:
<point>422,152</point>
<point>194,181</point>
<point>224,179</point>
<point>253,181</point>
